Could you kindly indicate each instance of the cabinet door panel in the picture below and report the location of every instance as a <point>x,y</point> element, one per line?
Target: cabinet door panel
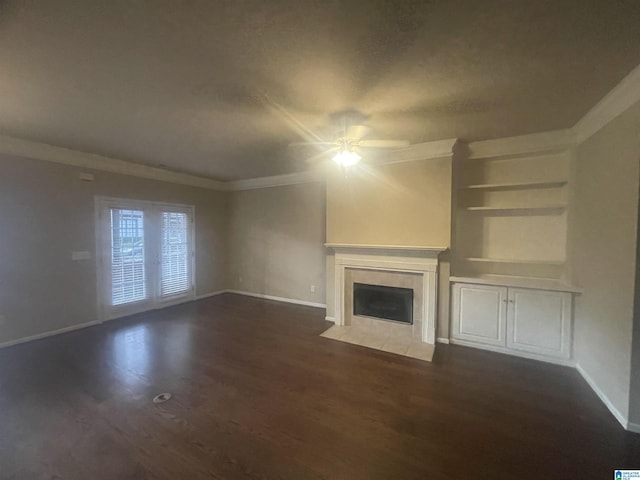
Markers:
<point>539,321</point>
<point>479,313</point>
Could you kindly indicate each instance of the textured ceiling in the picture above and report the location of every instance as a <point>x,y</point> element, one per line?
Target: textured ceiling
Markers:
<point>221,88</point>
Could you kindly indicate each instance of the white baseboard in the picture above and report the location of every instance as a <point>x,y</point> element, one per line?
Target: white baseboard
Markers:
<point>594,386</point>
<point>211,294</point>
<point>330,319</point>
<point>565,362</point>
<point>634,427</point>
<point>51,333</point>
<point>48,334</point>
<point>278,299</point>
<point>442,340</point>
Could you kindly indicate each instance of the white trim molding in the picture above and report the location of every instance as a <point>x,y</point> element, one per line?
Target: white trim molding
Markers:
<point>65,156</point>
<point>603,397</point>
<point>623,96</point>
<point>442,340</point>
<point>405,250</point>
<point>330,319</point>
<point>50,333</point>
<point>418,151</point>
<point>423,151</point>
<point>278,299</point>
<point>565,362</point>
<point>634,427</point>
<point>391,258</point>
<point>555,140</point>
<point>210,294</point>
<point>276,181</point>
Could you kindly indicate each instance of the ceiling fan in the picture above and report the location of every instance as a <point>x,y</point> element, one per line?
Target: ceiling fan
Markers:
<point>350,142</point>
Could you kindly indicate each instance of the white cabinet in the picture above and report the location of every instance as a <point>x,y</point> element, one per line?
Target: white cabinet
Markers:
<point>528,321</point>
<point>479,313</point>
<point>539,321</point>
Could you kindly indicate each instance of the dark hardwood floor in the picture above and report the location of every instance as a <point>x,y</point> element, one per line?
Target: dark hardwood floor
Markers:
<point>257,394</point>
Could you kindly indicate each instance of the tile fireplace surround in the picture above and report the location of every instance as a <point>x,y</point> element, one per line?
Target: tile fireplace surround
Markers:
<point>394,266</point>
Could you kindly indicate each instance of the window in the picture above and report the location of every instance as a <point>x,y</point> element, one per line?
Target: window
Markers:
<point>145,255</point>
<point>128,280</point>
<point>174,260</point>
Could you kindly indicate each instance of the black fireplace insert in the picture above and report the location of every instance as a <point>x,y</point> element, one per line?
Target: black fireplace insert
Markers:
<point>387,303</point>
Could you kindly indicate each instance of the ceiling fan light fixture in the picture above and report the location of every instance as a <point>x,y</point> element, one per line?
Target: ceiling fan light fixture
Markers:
<point>346,158</point>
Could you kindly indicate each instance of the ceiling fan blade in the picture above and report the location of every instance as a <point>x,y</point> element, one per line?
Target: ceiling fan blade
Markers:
<point>320,156</point>
<point>298,144</point>
<point>356,132</point>
<point>383,143</point>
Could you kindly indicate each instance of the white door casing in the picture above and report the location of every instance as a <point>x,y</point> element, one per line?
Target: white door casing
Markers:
<point>146,254</point>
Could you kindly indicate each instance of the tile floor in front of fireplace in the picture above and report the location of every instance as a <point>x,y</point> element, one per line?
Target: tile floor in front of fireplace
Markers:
<point>382,335</point>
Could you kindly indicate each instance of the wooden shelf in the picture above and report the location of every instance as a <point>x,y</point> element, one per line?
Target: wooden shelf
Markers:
<point>515,186</point>
<point>512,209</point>
<point>514,261</point>
<point>559,206</point>
<point>517,281</point>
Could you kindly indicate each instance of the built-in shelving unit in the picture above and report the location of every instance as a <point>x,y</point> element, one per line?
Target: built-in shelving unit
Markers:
<point>514,208</point>
<point>519,282</point>
<point>514,261</point>
<point>512,217</point>
<point>515,185</point>
<point>510,290</point>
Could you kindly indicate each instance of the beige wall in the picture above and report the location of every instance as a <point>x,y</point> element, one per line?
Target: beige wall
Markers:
<point>398,204</point>
<point>634,396</point>
<point>47,212</point>
<point>602,252</point>
<point>276,241</point>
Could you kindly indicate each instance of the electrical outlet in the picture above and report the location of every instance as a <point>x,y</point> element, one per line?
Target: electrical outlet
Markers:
<point>312,289</point>
<point>240,279</point>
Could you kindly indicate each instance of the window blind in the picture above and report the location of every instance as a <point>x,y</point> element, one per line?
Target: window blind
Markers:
<point>128,282</point>
<point>175,263</point>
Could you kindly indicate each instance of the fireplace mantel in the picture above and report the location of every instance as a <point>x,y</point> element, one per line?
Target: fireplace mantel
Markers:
<point>411,251</point>
<point>393,258</point>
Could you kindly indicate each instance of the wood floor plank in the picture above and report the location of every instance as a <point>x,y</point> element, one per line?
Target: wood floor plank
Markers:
<point>258,394</point>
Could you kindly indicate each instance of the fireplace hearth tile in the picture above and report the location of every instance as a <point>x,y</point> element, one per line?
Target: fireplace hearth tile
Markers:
<point>336,333</point>
<point>388,341</point>
<point>421,351</point>
<point>366,340</point>
<point>397,345</point>
<point>363,322</point>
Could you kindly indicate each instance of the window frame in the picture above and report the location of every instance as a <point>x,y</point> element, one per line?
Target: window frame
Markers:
<point>152,228</point>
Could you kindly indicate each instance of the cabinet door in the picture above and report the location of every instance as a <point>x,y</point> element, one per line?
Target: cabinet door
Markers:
<point>539,322</point>
<point>479,313</point>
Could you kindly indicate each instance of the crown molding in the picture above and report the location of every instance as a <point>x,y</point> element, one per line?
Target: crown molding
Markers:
<point>423,151</point>
<point>418,151</point>
<point>276,181</point>
<point>65,156</point>
<point>623,96</point>
<point>555,140</point>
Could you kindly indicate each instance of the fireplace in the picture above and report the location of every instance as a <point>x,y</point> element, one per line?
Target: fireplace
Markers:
<point>408,268</point>
<point>383,302</point>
